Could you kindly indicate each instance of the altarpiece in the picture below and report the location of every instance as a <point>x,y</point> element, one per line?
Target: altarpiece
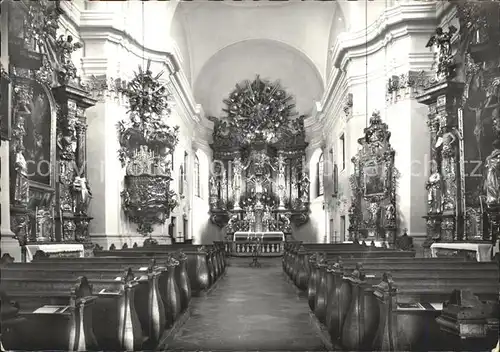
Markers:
<point>49,191</point>
<point>259,181</point>
<point>464,123</point>
<point>373,209</point>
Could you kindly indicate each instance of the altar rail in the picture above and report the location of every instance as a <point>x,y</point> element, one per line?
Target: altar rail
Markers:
<point>247,248</point>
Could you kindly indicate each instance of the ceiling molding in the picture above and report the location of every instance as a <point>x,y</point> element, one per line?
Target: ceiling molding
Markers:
<point>394,23</point>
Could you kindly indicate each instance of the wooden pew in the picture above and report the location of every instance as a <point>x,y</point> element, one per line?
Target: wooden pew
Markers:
<point>403,328</point>
<point>148,302</point>
<point>68,328</point>
<point>315,263</point>
<point>200,268</point>
<point>356,327</point>
<point>332,302</point>
<point>174,285</point>
<point>215,255</point>
<point>303,260</point>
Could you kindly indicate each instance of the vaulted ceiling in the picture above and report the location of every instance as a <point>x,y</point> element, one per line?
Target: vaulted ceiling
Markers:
<point>223,43</point>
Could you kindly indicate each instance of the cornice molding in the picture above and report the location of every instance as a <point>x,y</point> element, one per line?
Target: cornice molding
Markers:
<point>394,23</point>
<point>106,27</point>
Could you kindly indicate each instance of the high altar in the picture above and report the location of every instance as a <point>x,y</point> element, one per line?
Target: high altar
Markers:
<point>259,181</point>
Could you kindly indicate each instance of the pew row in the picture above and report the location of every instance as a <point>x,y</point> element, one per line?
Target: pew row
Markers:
<point>366,308</point>
<point>157,298</point>
<point>205,265</point>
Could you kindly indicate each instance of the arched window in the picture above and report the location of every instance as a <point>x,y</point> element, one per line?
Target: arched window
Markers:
<point>319,176</point>
<point>181,180</point>
<point>197,191</point>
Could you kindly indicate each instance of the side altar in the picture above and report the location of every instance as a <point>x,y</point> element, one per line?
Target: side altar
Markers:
<point>47,130</point>
<point>463,189</point>
<point>259,181</point>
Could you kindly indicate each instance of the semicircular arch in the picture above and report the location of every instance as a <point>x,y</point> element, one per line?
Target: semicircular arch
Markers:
<point>269,58</point>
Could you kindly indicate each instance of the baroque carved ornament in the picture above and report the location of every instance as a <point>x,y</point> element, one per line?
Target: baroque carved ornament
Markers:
<point>257,110</point>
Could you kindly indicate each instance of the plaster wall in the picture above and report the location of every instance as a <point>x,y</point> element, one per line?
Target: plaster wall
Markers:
<point>364,71</point>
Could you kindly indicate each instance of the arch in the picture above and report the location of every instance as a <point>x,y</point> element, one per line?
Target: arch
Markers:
<point>313,172</point>
<point>279,43</point>
<point>239,61</point>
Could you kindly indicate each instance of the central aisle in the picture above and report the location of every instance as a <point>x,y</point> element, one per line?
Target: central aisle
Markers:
<point>251,309</point>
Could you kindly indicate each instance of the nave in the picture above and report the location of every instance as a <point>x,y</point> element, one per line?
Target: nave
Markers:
<point>185,297</point>
<point>251,309</point>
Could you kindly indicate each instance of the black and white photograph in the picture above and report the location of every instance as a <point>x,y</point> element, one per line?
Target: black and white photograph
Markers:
<point>250,175</point>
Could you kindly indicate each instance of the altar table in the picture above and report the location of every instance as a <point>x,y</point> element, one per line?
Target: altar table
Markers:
<point>57,249</point>
<point>481,251</point>
<point>264,235</point>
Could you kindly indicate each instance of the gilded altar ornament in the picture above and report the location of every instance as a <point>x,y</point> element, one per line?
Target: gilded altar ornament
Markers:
<point>146,140</point>
<point>492,180</point>
<point>445,65</point>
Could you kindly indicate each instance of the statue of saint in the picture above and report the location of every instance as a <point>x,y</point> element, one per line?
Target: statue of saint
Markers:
<point>237,168</point>
<point>492,181</point>
<point>21,187</point>
<point>82,195</point>
<point>281,162</point>
<point>213,186</point>
<point>231,225</point>
<point>447,140</point>
<point>390,213</point>
<point>433,187</point>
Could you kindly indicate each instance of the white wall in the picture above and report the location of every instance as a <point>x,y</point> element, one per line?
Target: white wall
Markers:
<point>362,62</point>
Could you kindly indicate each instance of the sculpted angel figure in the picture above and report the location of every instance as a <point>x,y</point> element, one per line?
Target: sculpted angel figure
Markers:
<point>65,48</point>
<point>442,40</point>
<point>492,181</point>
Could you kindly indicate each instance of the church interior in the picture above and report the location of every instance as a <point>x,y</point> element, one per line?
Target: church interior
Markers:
<point>273,175</point>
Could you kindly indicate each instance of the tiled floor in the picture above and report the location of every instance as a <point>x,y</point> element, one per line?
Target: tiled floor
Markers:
<point>251,309</point>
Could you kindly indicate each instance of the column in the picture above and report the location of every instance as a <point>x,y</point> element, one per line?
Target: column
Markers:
<point>104,171</point>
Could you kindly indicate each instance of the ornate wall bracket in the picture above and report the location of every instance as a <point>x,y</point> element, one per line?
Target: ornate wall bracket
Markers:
<point>407,85</point>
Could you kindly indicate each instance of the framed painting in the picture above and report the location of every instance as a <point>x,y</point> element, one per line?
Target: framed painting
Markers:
<point>374,179</point>
<point>5,127</point>
<point>39,140</point>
